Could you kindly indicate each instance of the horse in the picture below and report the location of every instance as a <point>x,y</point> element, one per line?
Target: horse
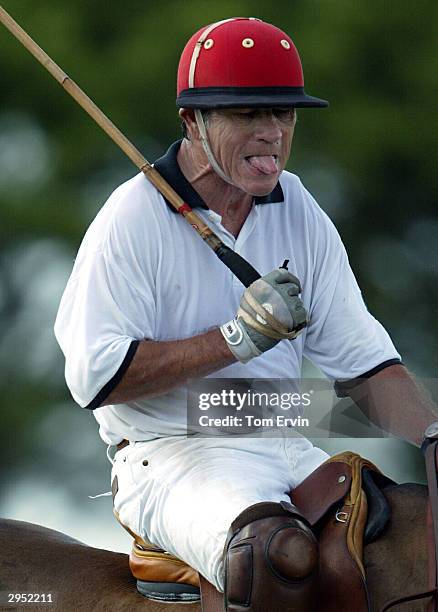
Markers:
<point>35,559</point>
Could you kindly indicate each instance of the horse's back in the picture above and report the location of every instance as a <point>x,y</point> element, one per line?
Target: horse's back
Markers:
<point>34,559</point>
<point>397,563</point>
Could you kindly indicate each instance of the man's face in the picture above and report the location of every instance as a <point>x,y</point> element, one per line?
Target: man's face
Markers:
<point>251,145</point>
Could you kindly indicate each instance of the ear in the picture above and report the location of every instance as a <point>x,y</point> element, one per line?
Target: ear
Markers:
<point>188,116</point>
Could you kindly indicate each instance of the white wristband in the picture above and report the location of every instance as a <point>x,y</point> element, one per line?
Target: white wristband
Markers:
<point>239,342</point>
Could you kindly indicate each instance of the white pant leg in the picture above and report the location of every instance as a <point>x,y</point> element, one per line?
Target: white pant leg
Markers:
<point>191,489</point>
<point>303,458</point>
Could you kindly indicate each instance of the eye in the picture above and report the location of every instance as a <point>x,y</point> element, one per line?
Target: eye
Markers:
<point>246,114</point>
<point>286,115</point>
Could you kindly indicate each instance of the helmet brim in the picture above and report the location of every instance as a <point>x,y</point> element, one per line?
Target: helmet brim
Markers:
<point>247,97</point>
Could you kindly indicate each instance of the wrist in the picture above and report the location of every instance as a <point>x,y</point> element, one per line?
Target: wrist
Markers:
<point>238,341</point>
<point>430,435</point>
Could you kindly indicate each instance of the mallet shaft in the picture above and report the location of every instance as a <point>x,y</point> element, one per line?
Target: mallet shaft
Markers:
<point>241,268</point>
<point>73,89</point>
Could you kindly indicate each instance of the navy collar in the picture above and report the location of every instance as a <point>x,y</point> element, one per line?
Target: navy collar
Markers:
<point>169,169</point>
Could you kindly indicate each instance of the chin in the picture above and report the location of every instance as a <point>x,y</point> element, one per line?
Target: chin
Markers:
<point>259,187</point>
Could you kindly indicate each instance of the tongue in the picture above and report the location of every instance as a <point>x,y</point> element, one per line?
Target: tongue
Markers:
<point>263,163</point>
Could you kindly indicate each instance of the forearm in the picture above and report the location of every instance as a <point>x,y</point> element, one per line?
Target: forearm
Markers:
<point>394,401</point>
<point>158,367</point>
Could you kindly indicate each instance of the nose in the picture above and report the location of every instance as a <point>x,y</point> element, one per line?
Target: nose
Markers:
<point>268,128</point>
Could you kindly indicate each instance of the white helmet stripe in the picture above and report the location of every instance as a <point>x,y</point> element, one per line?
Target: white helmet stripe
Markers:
<point>198,46</point>
<point>198,115</point>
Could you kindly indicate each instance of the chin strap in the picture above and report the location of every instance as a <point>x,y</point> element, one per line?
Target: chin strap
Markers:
<point>206,145</point>
<point>198,115</point>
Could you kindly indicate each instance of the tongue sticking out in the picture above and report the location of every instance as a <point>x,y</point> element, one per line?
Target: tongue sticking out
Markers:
<point>263,163</point>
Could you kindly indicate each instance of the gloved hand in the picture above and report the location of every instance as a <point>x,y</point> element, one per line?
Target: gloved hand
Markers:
<point>270,310</point>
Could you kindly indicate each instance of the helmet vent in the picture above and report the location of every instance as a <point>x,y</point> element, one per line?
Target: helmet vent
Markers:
<point>208,43</point>
<point>285,43</point>
<point>247,43</point>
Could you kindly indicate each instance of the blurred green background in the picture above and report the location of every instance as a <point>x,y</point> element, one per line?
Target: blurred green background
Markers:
<point>369,159</point>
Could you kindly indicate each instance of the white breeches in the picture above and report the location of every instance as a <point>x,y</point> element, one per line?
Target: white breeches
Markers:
<point>182,494</point>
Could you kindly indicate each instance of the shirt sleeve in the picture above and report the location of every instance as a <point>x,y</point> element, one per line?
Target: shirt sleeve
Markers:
<point>107,308</point>
<point>343,338</point>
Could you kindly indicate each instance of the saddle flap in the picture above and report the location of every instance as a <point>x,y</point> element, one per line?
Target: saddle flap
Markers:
<point>325,487</point>
<point>157,566</point>
<point>379,511</point>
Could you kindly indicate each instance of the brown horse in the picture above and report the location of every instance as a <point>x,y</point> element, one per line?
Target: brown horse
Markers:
<point>34,559</point>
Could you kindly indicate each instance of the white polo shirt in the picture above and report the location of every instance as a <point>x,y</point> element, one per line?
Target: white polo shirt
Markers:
<point>142,272</point>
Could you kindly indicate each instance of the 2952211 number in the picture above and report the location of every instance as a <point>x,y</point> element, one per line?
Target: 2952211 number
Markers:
<point>29,598</point>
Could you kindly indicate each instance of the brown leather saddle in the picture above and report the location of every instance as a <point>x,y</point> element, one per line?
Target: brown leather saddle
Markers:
<point>344,502</point>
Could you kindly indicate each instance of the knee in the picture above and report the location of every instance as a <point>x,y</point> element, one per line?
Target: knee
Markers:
<point>270,551</point>
<point>291,549</point>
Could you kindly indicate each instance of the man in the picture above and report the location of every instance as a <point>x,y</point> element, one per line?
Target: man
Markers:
<point>148,306</point>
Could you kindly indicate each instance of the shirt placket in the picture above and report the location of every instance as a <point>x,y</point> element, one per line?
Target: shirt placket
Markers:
<point>214,219</point>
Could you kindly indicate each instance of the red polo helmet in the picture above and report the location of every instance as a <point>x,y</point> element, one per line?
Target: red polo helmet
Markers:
<point>241,62</point>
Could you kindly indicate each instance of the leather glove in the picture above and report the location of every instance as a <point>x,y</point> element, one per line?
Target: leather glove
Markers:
<point>270,310</point>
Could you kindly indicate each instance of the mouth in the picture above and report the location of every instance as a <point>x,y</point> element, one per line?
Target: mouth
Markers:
<point>263,164</point>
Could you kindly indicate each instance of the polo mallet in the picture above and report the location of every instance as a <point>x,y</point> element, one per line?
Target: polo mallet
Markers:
<point>238,266</point>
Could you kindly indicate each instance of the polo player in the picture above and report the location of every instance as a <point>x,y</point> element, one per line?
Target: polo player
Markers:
<point>149,307</point>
